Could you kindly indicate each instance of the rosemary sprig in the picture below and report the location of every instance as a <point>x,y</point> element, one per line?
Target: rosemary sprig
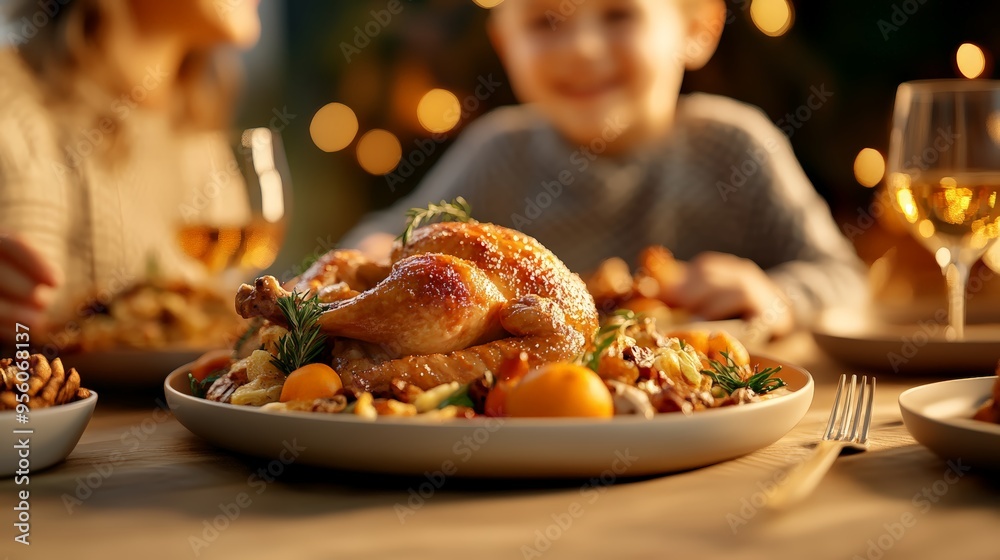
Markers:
<point>304,341</point>
<point>614,330</point>
<point>199,388</point>
<point>730,377</point>
<point>458,210</point>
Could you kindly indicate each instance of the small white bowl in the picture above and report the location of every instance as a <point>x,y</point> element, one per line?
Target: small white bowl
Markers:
<point>939,415</point>
<point>55,430</point>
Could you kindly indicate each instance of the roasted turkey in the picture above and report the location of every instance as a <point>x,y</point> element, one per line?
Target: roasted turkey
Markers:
<point>456,300</point>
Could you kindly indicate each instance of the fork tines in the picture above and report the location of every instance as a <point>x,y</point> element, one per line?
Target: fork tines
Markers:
<point>844,417</point>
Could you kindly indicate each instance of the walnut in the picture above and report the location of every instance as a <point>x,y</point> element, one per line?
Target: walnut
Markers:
<point>48,384</point>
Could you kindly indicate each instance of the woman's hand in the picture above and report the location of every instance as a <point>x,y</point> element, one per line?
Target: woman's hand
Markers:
<point>722,286</point>
<point>26,282</point>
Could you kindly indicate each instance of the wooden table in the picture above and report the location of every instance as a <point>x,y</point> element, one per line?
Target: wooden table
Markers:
<point>139,485</point>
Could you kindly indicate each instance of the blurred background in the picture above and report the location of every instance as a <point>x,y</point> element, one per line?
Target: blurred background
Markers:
<point>359,90</point>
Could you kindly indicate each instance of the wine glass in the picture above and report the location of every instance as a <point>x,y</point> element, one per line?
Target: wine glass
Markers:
<point>944,175</point>
<point>237,230</point>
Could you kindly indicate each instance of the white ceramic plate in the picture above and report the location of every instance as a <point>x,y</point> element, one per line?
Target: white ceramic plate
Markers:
<point>55,432</point>
<point>490,447</point>
<point>129,368</point>
<point>864,342</point>
<point>939,415</point>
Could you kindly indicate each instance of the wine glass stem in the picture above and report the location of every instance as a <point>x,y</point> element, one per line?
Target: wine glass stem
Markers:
<point>956,274</point>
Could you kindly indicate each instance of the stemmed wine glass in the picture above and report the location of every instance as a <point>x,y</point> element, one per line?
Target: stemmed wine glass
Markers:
<point>237,229</point>
<point>944,175</point>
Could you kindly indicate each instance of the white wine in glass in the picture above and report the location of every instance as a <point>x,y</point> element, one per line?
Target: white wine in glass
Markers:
<point>944,175</point>
<point>240,231</point>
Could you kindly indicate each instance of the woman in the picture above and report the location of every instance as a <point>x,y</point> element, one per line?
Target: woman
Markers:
<point>110,119</point>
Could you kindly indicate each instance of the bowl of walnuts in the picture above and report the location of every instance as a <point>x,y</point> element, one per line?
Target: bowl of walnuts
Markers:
<point>43,412</point>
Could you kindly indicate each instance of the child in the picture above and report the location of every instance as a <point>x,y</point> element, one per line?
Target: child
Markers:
<point>606,158</point>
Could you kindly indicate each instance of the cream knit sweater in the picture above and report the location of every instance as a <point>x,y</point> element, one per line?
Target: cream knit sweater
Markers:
<point>100,190</point>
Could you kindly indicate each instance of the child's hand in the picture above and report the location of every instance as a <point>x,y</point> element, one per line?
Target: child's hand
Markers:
<point>722,286</point>
<point>26,280</point>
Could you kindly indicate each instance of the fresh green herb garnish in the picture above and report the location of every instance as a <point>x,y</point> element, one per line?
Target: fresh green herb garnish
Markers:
<point>458,398</point>
<point>457,210</point>
<point>199,388</point>
<point>730,377</point>
<point>304,341</point>
<point>613,331</point>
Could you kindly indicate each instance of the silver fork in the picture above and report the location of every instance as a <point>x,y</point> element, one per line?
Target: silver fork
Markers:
<point>854,413</point>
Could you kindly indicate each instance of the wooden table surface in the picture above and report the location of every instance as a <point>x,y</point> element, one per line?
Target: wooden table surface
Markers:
<point>169,494</point>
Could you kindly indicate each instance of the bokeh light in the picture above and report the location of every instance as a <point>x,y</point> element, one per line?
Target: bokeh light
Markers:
<point>869,167</point>
<point>379,151</point>
<point>971,60</point>
<point>926,229</point>
<point>333,127</point>
<point>943,257</point>
<point>772,17</point>
<point>439,110</point>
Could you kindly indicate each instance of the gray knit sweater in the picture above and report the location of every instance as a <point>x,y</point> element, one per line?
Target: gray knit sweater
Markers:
<point>726,180</point>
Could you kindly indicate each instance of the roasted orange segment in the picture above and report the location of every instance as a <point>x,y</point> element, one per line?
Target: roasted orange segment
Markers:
<point>713,344</point>
<point>560,389</point>
<point>310,382</point>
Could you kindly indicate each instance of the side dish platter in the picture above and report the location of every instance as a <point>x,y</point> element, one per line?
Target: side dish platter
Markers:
<point>498,447</point>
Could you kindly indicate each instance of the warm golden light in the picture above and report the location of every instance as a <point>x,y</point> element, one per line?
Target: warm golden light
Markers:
<point>869,167</point>
<point>943,257</point>
<point>333,127</point>
<point>439,110</point>
<point>379,151</point>
<point>900,184</point>
<point>956,201</point>
<point>488,3</point>
<point>772,17</point>
<point>925,229</point>
<point>971,60</point>
<point>904,197</point>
